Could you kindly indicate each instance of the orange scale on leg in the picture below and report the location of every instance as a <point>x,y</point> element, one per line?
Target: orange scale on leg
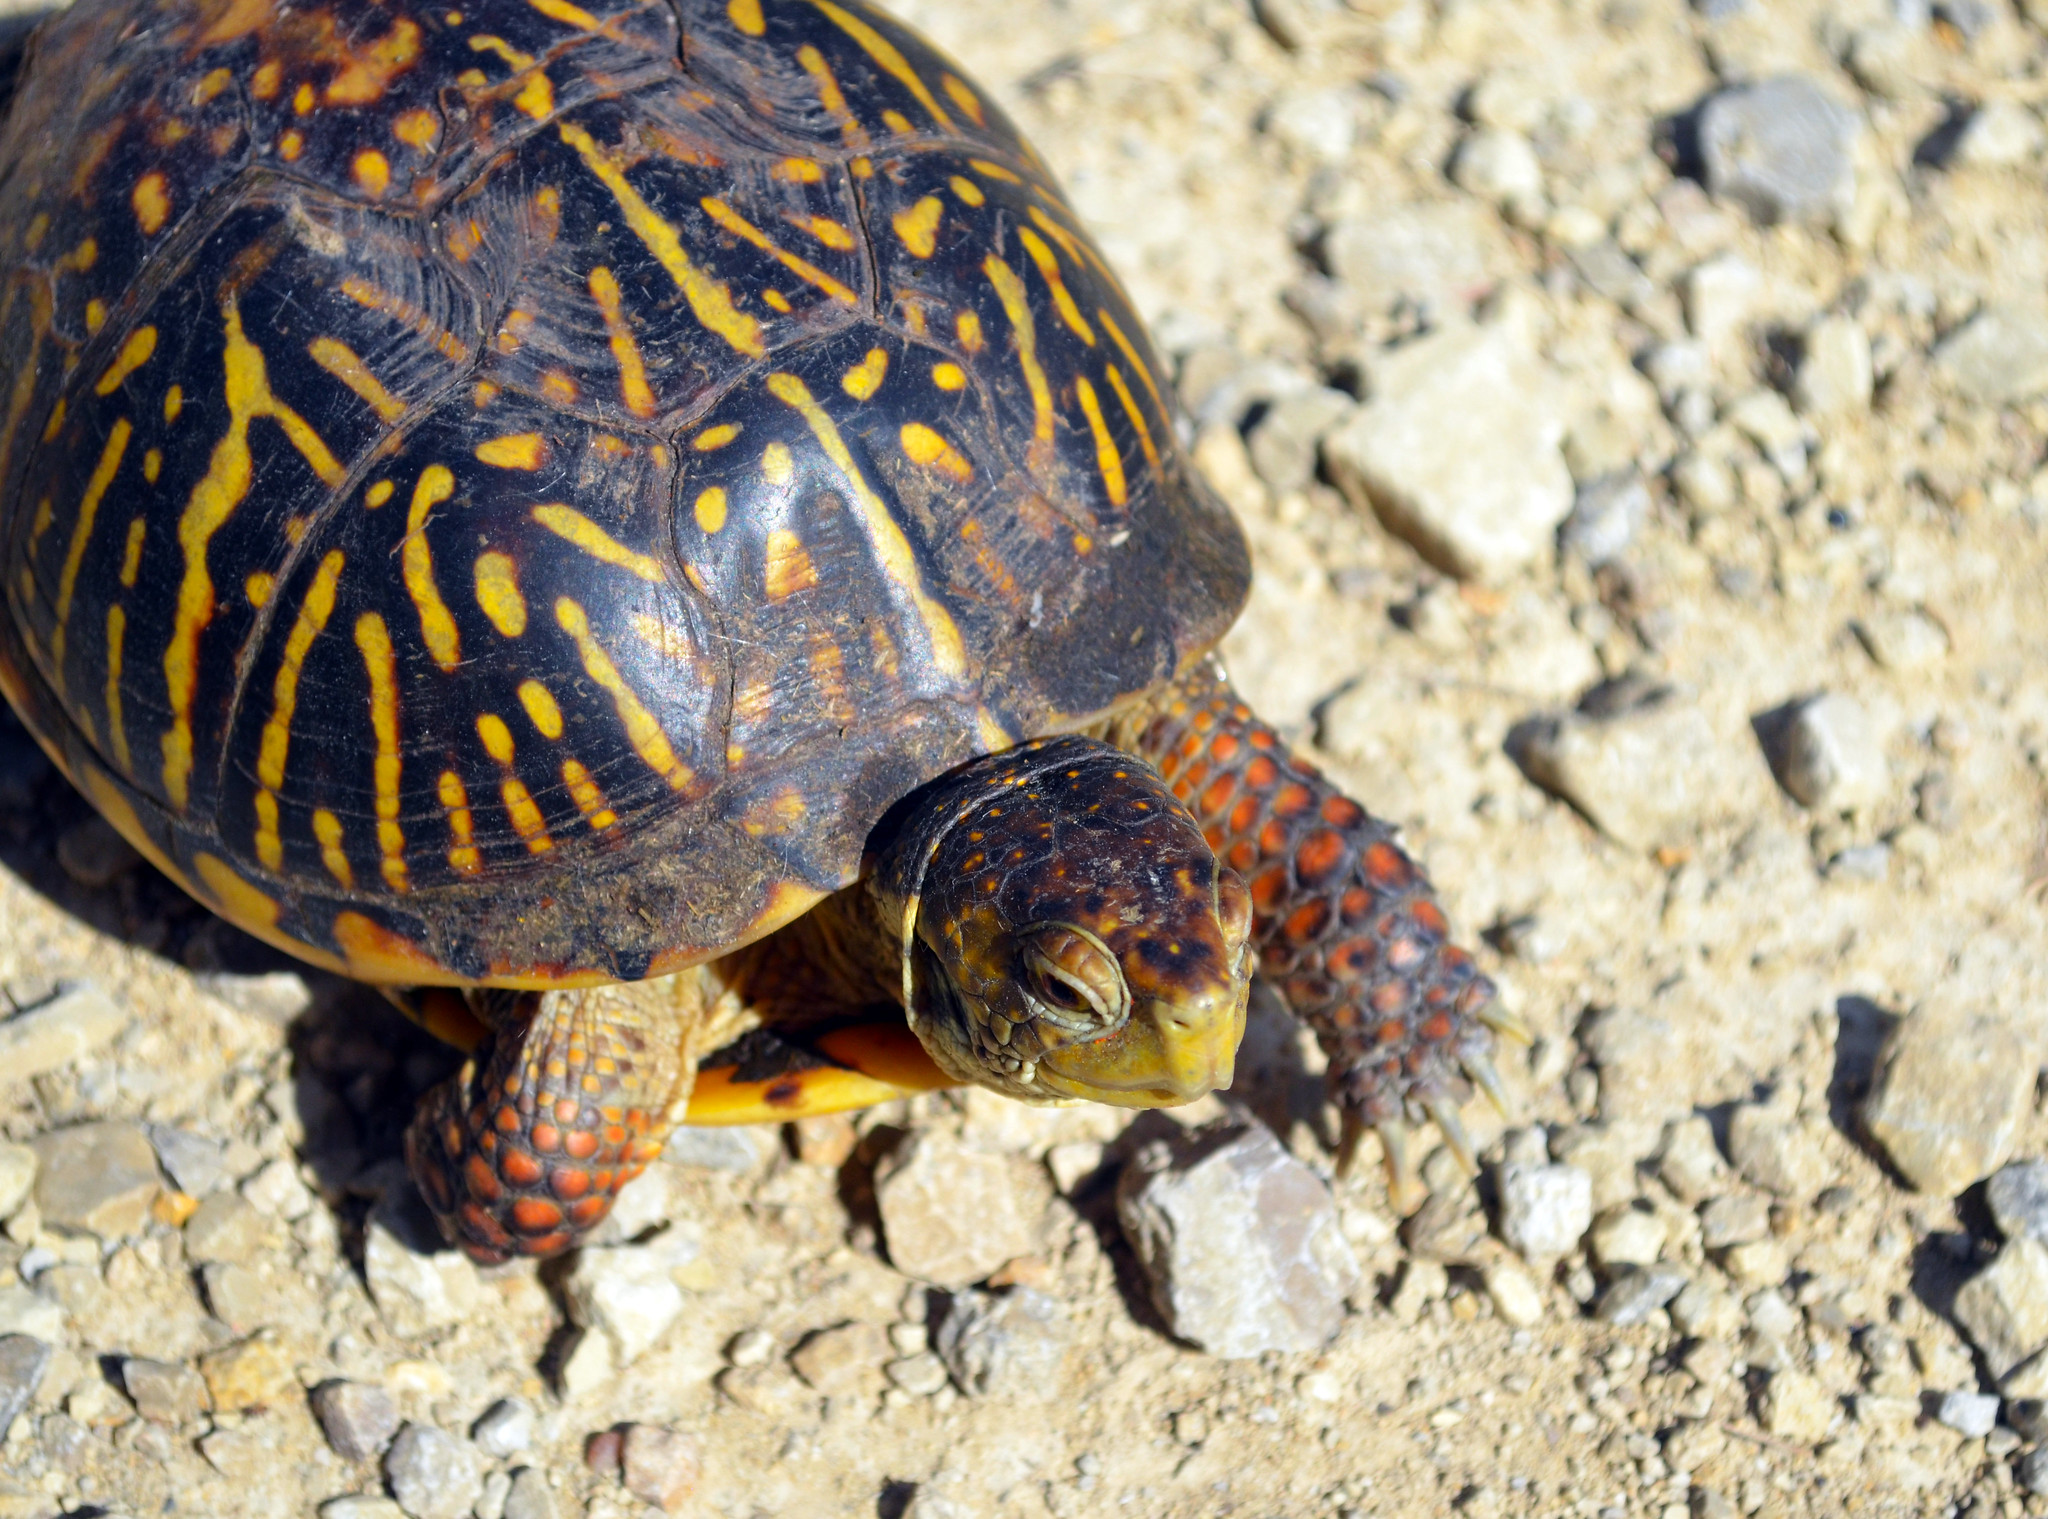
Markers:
<point>1308,920</point>
<point>1355,903</point>
<point>1259,738</point>
<point>1436,1029</point>
<point>580,1145</point>
<point>1267,889</point>
<point>483,1226</point>
<point>546,1244</point>
<point>533,1215</point>
<point>1244,814</point>
<point>1387,868</point>
<point>546,1137</point>
<point>1431,917</point>
<point>1341,812</point>
<point>521,1169</point>
<point>568,1184</point>
<point>1263,771</point>
<point>1389,997</point>
<point>1404,955</point>
<point>1213,837</point>
<point>1219,792</point>
<point>1223,747</point>
<point>567,1110</point>
<point>1393,1031</point>
<point>1244,854</point>
<point>1293,800</point>
<point>1321,854</point>
<point>589,1211</point>
<point>1273,837</point>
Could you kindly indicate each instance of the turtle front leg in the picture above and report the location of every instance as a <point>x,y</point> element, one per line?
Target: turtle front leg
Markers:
<point>571,1095</point>
<point>1346,926</point>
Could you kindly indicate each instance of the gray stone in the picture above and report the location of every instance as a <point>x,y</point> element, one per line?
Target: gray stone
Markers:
<point>163,1391</point>
<point>1735,1218</point>
<point>659,1466</point>
<point>530,1497</point>
<point>1435,257</point>
<point>2018,1198</point>
<point>712,1149</point>
<point>360,1506</point>
<point>497,1488</point>
<point>195,1164</point>
<point>1902,638</point>
<point>2004,1307</point>
<point>1513,1292</point>
<point>1240,1241</point>
<point>1283,444</point>
<point>94,854</point>
<point>1545,1210</point>
<point>96,1178</point>
<point>1999,356</point>
<point>1318,125</point>
<point>77,1021</point>
<point>1796,1407</point>
<point>358,1418</point>
<point>1782,148</point>
<point>1771,1148</point>
<point>847,1358</point>
<point>1722,296</point>
<point>952,1215</point>
<point>626,1292</point>
<point>1499,166</point>
<point>1005,1346</point>
<point>1647,777</point>
<point>1458,451</point>
<point>1629,1235</point>
<point>1826,755</point>
<point>23,1361</point>
<point>1691,1164</point>
<point>2029,1419</point>
<point>1999,134</point>
<point>2033,1472</point>
<point>505,1429</point>
<point>242,1299</point>
<point>225,1227</point>
<point>276,996</point>
<point>1951,1090</point>
<point>1638,1292</point>
<point>17,1177</point>
<point>1835,377</point>
<point>432,1474</point>
<point>920,1374</point>
<point>1767,420</point>
<point>1606,517</point>
<point>25,1311</point>
<point>1972,1415</point>
<point>416,1292</point>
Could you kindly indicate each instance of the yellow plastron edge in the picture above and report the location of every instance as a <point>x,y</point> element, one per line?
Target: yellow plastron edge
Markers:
<point>877,1062</point>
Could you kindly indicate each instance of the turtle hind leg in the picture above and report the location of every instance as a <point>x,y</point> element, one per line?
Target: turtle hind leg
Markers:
<point>522,1151</point>
<point>1346,926</point>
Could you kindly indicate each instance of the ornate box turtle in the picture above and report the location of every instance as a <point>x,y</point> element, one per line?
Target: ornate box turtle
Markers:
<point>655,516</point>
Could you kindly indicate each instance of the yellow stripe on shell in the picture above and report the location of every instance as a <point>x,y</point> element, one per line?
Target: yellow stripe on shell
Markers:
<point>339,360</point>
<point>461,822</point>
<point>572,527</point>
<point>1017,307</point>
<point>381,666</point>
<point>327,833</point>
<point>633,386</point>
<point>567,14</point>
<point>117,735</point>
<point>520,450</point>
<point>1107,459</point>
<point>497,592</point>
<point>803,269</point>
<point>588,797</point>
<point>1137,416</point>
<point>275,745</point>
<point>884,52</point>
<point>541,708</point>
<point>1049,267</point>
<point>746,15</point>
<point>709,300</point>
<point>830,96</point>
<point>135,352</point>
<point>1130,353</point>
<point>926,447</point>
<point>891,548</point>
<point>81,533</point>
<point>416,564</point>
<point>643,730</point>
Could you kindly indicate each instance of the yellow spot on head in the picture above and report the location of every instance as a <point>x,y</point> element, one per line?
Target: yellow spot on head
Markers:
<point>949,377</point>
<point>524,450</point>
<point>497,592</point>
<point>919,226</point>
<point>715,437</point>
<point>746,15</point>
<point>711,509</point>
<point>416,564</point>
<point>174,402</point>
<point>135,352</point>
<point>372,171</point>
<point>378,493</point>
<point>967,190</point>
<point>777,467</point>
<point>151,199</point>
<point>924,446</point>
<point>865,378</point>
<point>540,706</point>
<point>416,129</point>
<point>496,736</point>
<point>258,588</point>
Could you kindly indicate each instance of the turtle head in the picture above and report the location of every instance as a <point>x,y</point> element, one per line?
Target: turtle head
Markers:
<point>1067,932</point>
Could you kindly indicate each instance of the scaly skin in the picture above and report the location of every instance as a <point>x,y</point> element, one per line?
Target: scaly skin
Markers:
<point>1346,926</point>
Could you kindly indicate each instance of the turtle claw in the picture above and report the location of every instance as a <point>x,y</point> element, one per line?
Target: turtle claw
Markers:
<point>1456,1140</point>
<point>1486,1077</point>
<point>1506,1023</point>
<point>1404,1186</point>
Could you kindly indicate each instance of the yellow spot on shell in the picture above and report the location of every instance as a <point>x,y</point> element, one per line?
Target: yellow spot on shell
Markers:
<point>777,467</point>
<point>967,190</point>
<point>715,437</point>
<point>152,464</point>
<point>711,509</point>
<point>1107,459</point>
<point>567,14</point>
<point>340,360</point>
<point>633,387</point>
<point>416,129</point>
<point>643,732</point>
<point>372,171</point>
<point>963,97</point>
<point>919,226</point>
<point>416,563</point>
<point>746,15</point>
<point>570,525</point>
<point>135,352</point>
<point>381,665</point>
<point>709,301</point>
<point>81,532</point>
<point>275,745</point>
<point>898,123</point>
<point>588,797</point>
<point>525,450</point>
<point>668,641</point>
<point>302,100</point>
<point>131,553</point>
<point>56,423</point>
<point>327,833</point>
<point>151,199</point>
<point>540,706</point>
<point>879,48</point>
<point>237,900</point>
<point>259,588</point>
<point>891,548</point>
<point>559,387</point>
<point>924,446</point>
<point>497,592</point>
<point>798,171</point>
<point>290,145</point>
<point>968,326</point>
<point>527,821</point>
<point>461,822</point>
<point>210,87</point>
<point>789,567</point>
<point>379,492</point>
<point>496,736</point>
<point>803,269</point>
<point>826,231</point>
<point>995,171</point>
<point>95,315</point>
<point>174,402</point>
<point>865,378</point>
<point>777,301</point>
<point>949,377</point>
<point>536,97</point>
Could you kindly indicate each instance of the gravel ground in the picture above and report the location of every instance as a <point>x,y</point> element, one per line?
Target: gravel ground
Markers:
<point>1636,411</point>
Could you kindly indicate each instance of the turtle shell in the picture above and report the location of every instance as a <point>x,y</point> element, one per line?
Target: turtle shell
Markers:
<point>509,492</point>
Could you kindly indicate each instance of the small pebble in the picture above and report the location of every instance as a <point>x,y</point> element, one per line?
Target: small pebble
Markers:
<point>164,1393</point>
<point>1796,1407</point>
<point>1638,1292</point>
<point>505,1429</point>
<point>920,1375</point>
<point>1781,148</point>
<point>194,1162</point>
<point>1627,1236</point>
<point>1972,1415</point>
<point>2033,1472</point>
<point>1647,777</point>
<point>227,1228</point>
<point>951,1215</point>
<point>17,1177</point>
<point>1735,1218</point>
<point>433,1475</point>
<point>845,1359</point>
<point>530,1497</point>
<point>251,1373</point>
<point>1827,756</point>
<point>2018,1198</point>
<point>491,1503</point>
<point>23,1362</point>
<point>1544,1210</point>
<point>660,1466</point>
<point>628,1293</point>
<point>2004,1307</point>
<point>1004,1346</point>
<point>751,1347</point>
<point>96,1178</point>
<point>1953,1084</point>
<point>1514,1293</point>
<point>1691,1164</point>
<point>79,1020</point>
<point>417,1290</point>
<point>358,1418</point>
<point>1999,356</point>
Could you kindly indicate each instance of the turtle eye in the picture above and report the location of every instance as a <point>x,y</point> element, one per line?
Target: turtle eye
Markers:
<point>1057,992</point>
<point>1074,982</point>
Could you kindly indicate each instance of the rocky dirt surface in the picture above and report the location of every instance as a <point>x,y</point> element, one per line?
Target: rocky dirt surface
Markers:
<point>1637,413</point>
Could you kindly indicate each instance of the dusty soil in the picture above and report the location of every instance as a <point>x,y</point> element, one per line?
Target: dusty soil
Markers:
<point>1758,968</point>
